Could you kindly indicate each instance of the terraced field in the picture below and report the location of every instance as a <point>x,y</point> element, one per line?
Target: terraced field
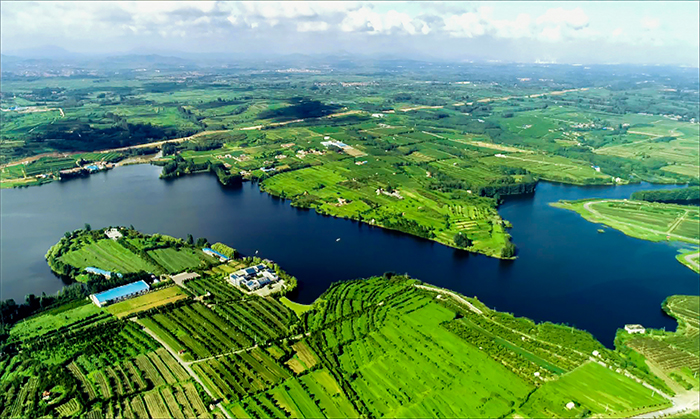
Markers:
<point>375,347</point>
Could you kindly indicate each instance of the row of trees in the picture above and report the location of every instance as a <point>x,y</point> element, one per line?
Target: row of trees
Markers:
<point>687,196</point>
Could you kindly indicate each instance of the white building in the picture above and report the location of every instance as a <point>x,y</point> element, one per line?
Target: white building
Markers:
<point>634,328</point>
<point>114,234</point>
<point>570,405</point>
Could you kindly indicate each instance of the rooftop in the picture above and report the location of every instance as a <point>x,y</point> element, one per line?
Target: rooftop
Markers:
<point>184,276</point>
<point>122,291</point>
<point>210,250</point>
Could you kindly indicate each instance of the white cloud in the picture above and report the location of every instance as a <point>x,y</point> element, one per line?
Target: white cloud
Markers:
<point>167,24</point>
<point>466,25</point>
<point>574,18</point>
<point>650,23</point>
<point>312,26</point>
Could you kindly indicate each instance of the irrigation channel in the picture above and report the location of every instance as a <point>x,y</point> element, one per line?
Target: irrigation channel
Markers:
<point>566,271</point>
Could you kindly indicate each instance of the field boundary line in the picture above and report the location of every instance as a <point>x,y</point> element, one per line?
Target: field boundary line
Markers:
<point>238,351</point>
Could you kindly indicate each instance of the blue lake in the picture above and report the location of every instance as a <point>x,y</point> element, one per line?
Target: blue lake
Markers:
<point>566,271</point>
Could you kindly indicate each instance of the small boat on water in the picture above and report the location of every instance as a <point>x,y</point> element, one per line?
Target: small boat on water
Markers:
<point>338,239</point>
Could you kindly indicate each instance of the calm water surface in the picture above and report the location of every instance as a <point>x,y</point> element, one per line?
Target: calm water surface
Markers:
<point>566,271</point>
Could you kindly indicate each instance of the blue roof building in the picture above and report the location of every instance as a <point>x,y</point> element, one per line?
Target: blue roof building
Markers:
<point>98,271</point>
<point>119,293</point>
<point>212,252</point>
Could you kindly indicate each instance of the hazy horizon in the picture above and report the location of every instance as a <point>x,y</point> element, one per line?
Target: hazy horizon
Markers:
<point>651,33</point>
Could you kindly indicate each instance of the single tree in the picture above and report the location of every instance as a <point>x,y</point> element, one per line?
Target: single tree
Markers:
<point>461,240</point>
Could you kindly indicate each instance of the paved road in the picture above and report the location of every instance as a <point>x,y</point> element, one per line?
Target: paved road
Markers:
<point>186,366</point>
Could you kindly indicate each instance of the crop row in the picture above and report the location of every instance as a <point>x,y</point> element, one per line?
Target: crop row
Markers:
<point>196,329</point>
<point>217,287</point>
<point>312,395</point>
<point>664,355</point>
<point>344,298</point>
<point>551,343</point>
<point>15,404</point>
<point>234,376</point>
<point>177,401</point>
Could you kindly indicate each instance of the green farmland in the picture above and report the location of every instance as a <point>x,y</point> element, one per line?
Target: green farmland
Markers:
<point>674,355</point>
<point>211,351</point>
<point>146,302</point>
<point>132,253</point>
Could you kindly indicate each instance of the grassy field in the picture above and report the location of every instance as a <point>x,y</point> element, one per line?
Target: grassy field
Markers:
<point>108,255</point>
<point>134,252</point>
<point>299,309</point>
<point>64,316</point>
<point>176,260</point>
<point>594,390</point>
<point>641,219</point>
<point>147,301</point>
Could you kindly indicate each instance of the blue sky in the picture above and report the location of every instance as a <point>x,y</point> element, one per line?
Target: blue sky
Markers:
<point>563,32</point>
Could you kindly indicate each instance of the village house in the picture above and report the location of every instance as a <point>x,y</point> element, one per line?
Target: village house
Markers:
<point>634,328</point>
<point>113,234</point>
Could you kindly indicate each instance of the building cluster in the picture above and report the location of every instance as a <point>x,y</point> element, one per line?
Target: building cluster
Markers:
<point>253,277</point>
<point>333,143</point>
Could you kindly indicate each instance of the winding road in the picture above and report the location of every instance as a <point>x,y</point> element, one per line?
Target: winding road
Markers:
<point>690,260</point>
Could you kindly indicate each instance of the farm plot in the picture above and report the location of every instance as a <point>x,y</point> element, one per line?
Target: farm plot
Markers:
<point>197,330</point>
<point>176,260</point>
<point>218,288</point>
<point>64,317</point>
<point>108,255</point>
<point>234,376</point>
<point>384,328</point>
<point>595,389</point>
<point>147,301</point>
<point>664,355</point>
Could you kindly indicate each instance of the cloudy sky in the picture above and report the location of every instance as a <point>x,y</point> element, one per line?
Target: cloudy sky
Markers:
<point>563,32</point>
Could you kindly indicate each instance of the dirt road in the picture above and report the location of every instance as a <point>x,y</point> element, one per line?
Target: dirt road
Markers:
<point>683,402</point>
<point>187,368</point>
<point>689,259</point>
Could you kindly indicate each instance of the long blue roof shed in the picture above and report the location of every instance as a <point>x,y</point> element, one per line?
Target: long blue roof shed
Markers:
<point>123,291</point>
<point>210,250</point>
